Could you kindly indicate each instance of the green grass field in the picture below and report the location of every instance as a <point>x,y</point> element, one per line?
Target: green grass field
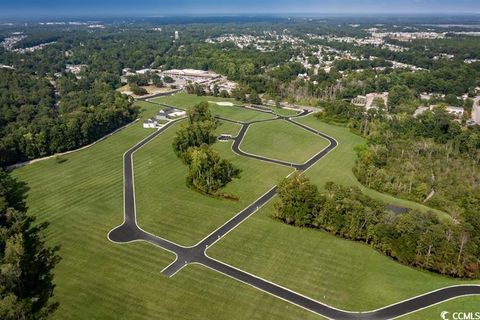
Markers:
<point>345,274</point>
<point>82,199</point>
<point>184,100</point>
<point>282,111</point>
<point>282,141</point>
<point>168,208</point>
<point>227,128</point>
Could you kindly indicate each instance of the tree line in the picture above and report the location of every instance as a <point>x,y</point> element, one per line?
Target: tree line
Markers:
<point>26,263</point>
<point>36,121</point>
<point>413,238</point>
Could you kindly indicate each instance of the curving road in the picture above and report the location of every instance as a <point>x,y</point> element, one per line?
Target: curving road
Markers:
<point>129,231</point>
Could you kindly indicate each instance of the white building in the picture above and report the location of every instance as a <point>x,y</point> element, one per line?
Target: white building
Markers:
<point>150,124</point>
<point>177,36</point>
<point>368,101</point>
<point>456,111</point>
<point>191,73</point>
<point>170,113</point>
<point>143,71</point>
<point>74,68</point>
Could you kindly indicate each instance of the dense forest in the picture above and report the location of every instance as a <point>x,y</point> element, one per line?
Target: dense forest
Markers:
<point>35,122</point>
<point>26,264</point>
<point>414,238</point>
<point>431,160</point>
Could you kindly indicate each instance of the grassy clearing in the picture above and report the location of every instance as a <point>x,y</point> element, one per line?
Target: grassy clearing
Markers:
<point>283,141</point>
<point>81,198</point>
<point>227,128</point>
<point>239,114</point>
<point>168,208</point>
<point>344,274</point>
<point>284,112</point>
<point>234,113</point>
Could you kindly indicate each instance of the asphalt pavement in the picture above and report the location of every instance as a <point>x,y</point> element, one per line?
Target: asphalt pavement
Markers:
<point>129,231</point>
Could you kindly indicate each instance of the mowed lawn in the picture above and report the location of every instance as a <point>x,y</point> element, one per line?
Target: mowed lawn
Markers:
<point>282,140</point>
<point>345,274</point>
<point>225,127</point>
<point>82,198</point>
<point>168,208</point>
<point>285,112</point>
<point>184,100</point>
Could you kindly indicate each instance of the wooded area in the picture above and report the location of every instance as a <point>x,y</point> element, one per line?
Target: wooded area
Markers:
<point>26,264</point>
<point>207,172</point>
<point>413,238</point>
<point>34,122</point>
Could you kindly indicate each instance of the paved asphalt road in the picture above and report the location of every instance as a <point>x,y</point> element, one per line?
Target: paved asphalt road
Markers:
<point>129,231</point>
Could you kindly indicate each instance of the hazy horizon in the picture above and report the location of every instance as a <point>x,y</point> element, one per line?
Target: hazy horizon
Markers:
<point>23,9</point>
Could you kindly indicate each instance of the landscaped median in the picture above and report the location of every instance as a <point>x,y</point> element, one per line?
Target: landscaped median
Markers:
<point>281,140</point>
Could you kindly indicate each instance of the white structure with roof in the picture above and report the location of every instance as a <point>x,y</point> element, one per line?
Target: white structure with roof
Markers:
<point>169,113</point>
<point>455,111</point>
<point>150,124</point>
<point>368,101</point>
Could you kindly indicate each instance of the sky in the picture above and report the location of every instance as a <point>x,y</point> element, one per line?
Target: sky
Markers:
<point>110,8</point>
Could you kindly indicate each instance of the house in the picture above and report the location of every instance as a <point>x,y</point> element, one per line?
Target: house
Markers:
<point>4,66</point>
<point>360,101</point>
<point>150,124</point>
<point>368,101</point>
<point>74,68</point>
<point>143,71</point>
<point>170,113</point>
<point>303,76</point>
<point>128,72</point>
<point>455,111</point>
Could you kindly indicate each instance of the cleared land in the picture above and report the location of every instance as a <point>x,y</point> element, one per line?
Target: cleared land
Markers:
<point>97,279</point>
<point>344,274</point>
<point>168,208</point>
<point>282,141</point>
<point>234,113</point>
<point>150,90</point>
<point>284,112</point>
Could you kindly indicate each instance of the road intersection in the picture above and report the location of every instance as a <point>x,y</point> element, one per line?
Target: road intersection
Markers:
<point>130,231</point>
